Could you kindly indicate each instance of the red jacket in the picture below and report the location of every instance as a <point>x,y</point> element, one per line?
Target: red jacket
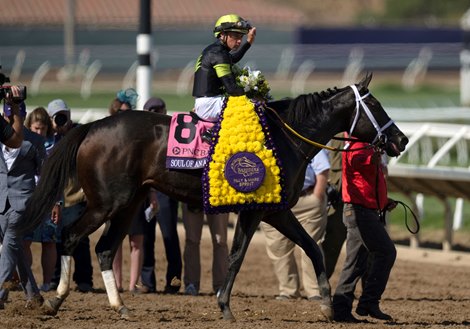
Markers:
<point>363,178</point>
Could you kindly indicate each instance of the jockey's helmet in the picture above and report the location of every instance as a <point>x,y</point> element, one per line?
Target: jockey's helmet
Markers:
<point>231,23</point>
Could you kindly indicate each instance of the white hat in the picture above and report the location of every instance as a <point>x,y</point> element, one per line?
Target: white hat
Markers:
<point>55,106</point>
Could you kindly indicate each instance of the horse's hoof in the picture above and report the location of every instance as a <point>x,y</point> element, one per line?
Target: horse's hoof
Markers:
<point>228,316</point>
<point>124,313</point>
<point>48,308</point>
<point>327,311</point>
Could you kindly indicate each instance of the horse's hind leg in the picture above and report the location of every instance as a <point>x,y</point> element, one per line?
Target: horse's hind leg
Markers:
<point>106,248</point>
<point>245,228</point>
<point>287,224</point>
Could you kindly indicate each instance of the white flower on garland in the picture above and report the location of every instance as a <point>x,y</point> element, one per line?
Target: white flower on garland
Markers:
<point>253,83</point>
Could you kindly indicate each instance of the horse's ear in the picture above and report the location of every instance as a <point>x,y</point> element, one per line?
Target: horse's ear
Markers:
<point>365,81</point>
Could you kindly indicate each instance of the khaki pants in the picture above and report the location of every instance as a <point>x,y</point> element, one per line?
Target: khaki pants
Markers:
<point>311,213</point>
<point>193,223</point>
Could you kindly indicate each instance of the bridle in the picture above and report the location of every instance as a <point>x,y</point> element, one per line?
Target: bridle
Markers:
<point>380,138</point>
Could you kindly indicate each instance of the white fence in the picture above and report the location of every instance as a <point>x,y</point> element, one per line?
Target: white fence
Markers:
<point>435,163</point>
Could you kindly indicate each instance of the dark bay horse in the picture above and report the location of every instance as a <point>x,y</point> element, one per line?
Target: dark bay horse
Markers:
<point>117,160</point>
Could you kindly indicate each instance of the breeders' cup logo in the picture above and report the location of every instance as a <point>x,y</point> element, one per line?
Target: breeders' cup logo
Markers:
<point>244,167</point>
<point>245,171</point>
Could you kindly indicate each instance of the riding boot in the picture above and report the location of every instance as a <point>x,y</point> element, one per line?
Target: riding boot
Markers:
<point>207,136</point>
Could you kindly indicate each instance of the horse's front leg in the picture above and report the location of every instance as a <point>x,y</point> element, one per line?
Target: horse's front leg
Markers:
<point>51,306</point>
<point>287,224</point>
<point>245,228</point>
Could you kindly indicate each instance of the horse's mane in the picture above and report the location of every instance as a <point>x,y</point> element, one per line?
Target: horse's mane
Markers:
<point>301,108</point>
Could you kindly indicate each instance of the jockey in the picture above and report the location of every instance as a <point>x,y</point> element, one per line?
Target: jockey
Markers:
<point>213,73</point>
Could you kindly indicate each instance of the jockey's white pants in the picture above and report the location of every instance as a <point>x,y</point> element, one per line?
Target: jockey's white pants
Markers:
<point>209,108</point>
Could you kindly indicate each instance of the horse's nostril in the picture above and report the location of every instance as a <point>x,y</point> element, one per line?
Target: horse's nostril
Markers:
<point>404,141</point>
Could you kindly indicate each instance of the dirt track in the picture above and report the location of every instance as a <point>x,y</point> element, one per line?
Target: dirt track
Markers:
<point>426,290</point>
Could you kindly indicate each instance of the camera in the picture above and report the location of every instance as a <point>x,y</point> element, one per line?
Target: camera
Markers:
<point>4,90</point>
<point>60,119</point>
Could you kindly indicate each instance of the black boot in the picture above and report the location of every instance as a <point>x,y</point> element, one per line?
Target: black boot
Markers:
<point>207,136</point>
<point>373,310</point>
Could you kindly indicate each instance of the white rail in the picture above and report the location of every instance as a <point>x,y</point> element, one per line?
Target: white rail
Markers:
<point>433,165</point>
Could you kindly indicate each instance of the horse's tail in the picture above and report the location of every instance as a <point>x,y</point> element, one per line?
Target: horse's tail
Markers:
<point>58,171</point>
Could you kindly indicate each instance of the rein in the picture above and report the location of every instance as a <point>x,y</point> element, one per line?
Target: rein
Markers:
<point>380,138</point>
<point>406,208</point>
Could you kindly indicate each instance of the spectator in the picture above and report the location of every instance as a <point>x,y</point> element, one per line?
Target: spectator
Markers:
<point>11,132</point>
<point>193,220</point>
<point>18,168</point>
<point>48,232</point>
<point>335,230</point>
<point>127,100</point>
<point>74,205</point>
<point>11,135</point>
<point>311,213</point>
<point>167,218</point>
<point>368,245</point>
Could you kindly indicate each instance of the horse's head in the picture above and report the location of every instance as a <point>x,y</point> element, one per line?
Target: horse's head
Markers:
<point>369,121</point>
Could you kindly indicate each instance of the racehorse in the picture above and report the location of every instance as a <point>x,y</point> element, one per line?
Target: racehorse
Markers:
<point>116,160</point>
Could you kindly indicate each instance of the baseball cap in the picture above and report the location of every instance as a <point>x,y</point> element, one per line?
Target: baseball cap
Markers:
<point>154,102</point>
<point>7,109</point>
<point>57,105</point>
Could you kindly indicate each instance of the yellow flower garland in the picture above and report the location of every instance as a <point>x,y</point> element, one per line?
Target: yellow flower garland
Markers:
<point>241,131</point>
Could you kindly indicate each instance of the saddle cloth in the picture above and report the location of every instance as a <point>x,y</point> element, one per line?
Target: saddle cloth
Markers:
<point>186,150</point>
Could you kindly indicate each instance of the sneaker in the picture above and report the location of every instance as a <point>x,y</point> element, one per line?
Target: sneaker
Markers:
<point>173,287</point>
<point>191,290</point>
<point>373,310</point>
<point>84,287</point>
<point>314,298</point>
<point>171,290</point>
<point>34,302</point>
<point>284,297</point>
<point>140,289</point>
<point>45,287</point>
<point>148,290</point>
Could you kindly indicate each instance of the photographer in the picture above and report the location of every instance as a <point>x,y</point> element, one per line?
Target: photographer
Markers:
<point>60,116</point>
<point>18,168</point>
<point>11,134</point>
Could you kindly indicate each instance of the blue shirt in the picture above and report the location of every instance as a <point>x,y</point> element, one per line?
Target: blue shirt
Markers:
<point>318,164</point>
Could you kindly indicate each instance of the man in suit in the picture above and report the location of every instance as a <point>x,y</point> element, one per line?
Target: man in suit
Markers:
<point>18,168</point>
